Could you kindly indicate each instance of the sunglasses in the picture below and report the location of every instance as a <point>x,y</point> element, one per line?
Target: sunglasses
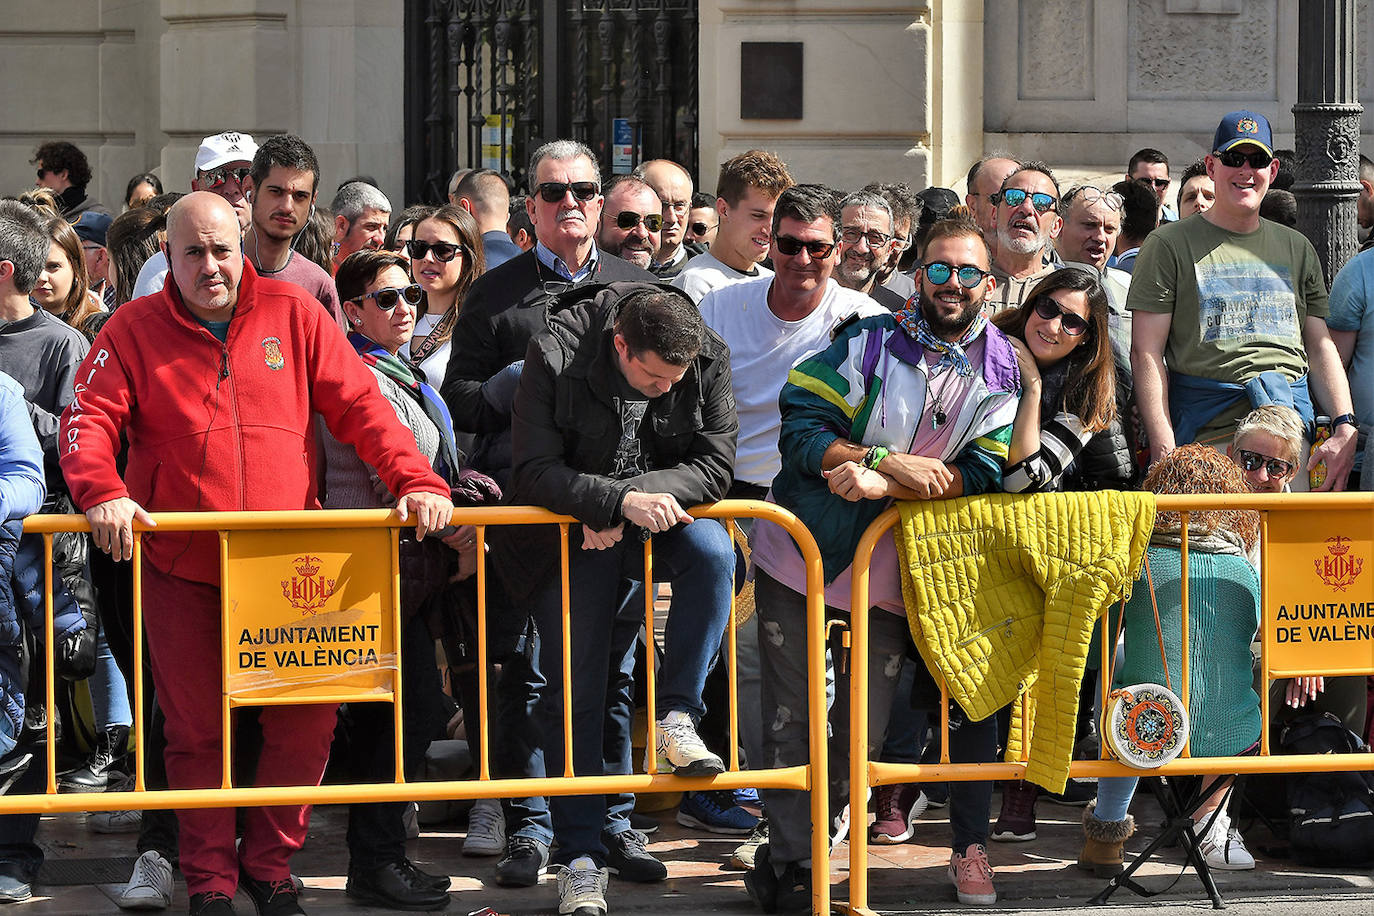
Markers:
<point>792,247</point>
<point>875,239</point>
<point>1158,184</point>
<point>387,297</point>
<point>1015,197</point>
<point>1234,159</point>
<point>1092,195</point>
<point>1253,461</point>
<point>1073,324</point>
<point>700,228</point>
<point>213,178</point>
<point>443,251</point>
<point>628,219</point>
<point>938,273</point>
<point>553,191</point>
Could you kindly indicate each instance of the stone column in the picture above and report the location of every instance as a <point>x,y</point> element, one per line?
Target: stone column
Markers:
<point>1327,124</point>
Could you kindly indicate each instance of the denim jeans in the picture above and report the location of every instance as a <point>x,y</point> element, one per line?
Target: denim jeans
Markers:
<point>109,692</point>
<point>697,558</point>
<point>1114,795</point>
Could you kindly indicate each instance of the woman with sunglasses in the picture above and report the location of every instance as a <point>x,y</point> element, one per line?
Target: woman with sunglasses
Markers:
<point>380,304</point>
<point>1068,387</point>
<point>445,258</point>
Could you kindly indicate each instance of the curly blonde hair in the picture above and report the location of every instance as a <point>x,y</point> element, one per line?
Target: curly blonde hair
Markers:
<point>1198,469</point>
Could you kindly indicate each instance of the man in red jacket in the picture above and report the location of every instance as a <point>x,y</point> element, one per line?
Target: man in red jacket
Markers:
<point>214,381</point>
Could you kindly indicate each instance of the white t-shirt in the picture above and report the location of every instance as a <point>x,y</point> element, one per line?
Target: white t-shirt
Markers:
<point>706,272</point>
<point>436,363</point>
<point>151,276</point>
<point>763,349</point>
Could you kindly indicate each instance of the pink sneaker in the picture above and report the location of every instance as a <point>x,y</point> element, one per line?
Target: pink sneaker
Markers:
<point>972,876</point>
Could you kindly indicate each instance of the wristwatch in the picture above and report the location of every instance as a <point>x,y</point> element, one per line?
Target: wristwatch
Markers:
<point>1345,418</point>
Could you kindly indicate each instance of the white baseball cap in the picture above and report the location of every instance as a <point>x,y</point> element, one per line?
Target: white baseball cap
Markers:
<point>230,146</point>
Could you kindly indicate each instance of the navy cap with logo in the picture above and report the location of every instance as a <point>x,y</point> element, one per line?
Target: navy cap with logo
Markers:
<point>1243,127</point>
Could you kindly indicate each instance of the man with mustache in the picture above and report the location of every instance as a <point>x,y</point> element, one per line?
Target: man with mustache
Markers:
<point>1028,222</point>
<point>281,190</point>
<point>631,221</point>
<point>912,405</point>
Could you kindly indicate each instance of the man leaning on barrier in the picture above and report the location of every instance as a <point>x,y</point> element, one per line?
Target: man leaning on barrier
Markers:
<point>624,418</point>
<point>912,405</point>
<point>214,382</point>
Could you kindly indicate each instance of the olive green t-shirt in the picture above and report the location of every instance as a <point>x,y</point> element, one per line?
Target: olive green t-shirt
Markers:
<point>1238,301</point>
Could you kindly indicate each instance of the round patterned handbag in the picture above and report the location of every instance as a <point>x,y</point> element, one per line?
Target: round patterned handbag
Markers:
<point>1145,725</point>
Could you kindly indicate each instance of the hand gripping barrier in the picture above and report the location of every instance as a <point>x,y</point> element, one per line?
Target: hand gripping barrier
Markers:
<point>1316,571</point>
<point>281,561</point>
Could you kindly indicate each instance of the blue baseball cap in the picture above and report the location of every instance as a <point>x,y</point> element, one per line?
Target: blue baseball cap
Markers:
<point>92,226</point>
<point>1243,127</point>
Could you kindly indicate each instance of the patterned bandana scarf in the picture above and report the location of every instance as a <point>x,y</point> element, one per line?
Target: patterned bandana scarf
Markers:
<point>951,353</point>
<point>409,377</point>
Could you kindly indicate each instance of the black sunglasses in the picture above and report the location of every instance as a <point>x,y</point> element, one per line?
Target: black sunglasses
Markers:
<point>938,273</point>
<point>1234,159</point>
<point>1253,461</point>
<point>628,219</point>
<point>1015,197</point>
<point>387,297</point>
<point>793,247</point>
<point>700,228</point>
<point>1073,324</point>
<point>553,191</point>
<point>213,178</point>
<point>1160,183</point>
<point>443,251</point>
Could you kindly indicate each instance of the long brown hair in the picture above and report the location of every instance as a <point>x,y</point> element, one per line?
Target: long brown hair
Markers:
<point>1090,388</point>
<point>79,306</point>
<point>474,260</point>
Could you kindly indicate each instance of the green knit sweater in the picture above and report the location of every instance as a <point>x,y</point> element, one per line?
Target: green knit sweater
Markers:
<point>1223,615</point>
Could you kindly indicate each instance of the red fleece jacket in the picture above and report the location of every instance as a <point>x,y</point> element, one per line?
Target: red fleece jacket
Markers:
<point>226,426</point>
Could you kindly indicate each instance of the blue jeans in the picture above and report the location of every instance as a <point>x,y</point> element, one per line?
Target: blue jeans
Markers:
<point>109,692</point>
<point>698,559</point>
<point>1114,795</point>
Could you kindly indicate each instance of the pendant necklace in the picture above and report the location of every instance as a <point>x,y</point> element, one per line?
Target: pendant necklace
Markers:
<point>939,417</point>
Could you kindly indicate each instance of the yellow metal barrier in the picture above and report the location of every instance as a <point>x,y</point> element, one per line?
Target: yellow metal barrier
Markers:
<point>1331,534</point>
<point>231,526</point>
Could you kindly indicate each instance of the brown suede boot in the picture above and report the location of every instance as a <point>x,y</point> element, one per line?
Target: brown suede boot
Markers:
<point>1104,843</point>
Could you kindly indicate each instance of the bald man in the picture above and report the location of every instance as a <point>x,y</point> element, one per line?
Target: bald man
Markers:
<point>252,359</point>
<point>673,185</point>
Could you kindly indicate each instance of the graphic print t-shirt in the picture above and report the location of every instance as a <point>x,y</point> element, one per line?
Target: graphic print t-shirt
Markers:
<point>630,460</point>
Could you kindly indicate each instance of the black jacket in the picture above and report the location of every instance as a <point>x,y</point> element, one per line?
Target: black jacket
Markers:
<point>566,427</point>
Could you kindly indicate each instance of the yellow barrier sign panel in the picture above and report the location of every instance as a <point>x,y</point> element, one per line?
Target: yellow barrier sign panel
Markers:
<point>309,613</point>
<point>1319,613</point>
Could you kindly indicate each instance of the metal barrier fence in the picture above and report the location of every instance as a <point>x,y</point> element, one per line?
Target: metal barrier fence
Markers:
<point>1292,527</point>
<point>346,524</point>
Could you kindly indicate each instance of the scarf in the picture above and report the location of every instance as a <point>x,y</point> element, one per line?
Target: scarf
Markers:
<point>951,352</point>
<point>409,377</point>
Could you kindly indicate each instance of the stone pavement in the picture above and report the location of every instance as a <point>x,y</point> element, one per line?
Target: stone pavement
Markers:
<point>83,871</point>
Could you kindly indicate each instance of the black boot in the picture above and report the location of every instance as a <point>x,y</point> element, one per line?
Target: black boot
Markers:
<point>94,774</point>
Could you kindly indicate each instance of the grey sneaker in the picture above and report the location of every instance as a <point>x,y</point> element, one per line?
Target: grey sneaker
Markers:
<point>150,885</point>
<point>582,888</point>
<point>486,829</point>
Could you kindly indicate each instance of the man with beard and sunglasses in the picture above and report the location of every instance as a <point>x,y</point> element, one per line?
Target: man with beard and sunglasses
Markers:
<point>1028,222</point>
<point>631,221</point>
<point>506,307</point>
<point>913,405</point>
<point>280,189</point>
<point>1237,307</point>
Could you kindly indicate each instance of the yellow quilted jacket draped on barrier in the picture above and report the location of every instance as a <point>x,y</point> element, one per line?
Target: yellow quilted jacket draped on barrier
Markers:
<point>1003,590</point>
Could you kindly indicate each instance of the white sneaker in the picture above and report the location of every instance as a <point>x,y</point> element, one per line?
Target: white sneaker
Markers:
<point>114,821</point>
<point>1222,847</point>
<point>582,888</point>
<point>486,829</point>
<point>679,744</point>
<point>150,885</point>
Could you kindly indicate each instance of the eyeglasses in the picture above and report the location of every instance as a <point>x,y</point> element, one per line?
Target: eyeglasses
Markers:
<point>553,191</point>
<point>213,178</point>
<point>792,247</point>
<point>628,219</point>
<point>1159,184</point>
<point>1015,197</point>
<point>1234,159</point>
<point>387,297</point>
<point>700,228</point>
<point>1253,461</point>
<point>1073,324</point>
<point>938,273</point>
<point>1093,195</point>
<point>443,251</point>
<point>875,239</point>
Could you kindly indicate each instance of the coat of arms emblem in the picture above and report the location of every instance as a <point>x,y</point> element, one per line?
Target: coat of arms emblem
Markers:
<point>1339,568</point>
<point>308,590</point>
